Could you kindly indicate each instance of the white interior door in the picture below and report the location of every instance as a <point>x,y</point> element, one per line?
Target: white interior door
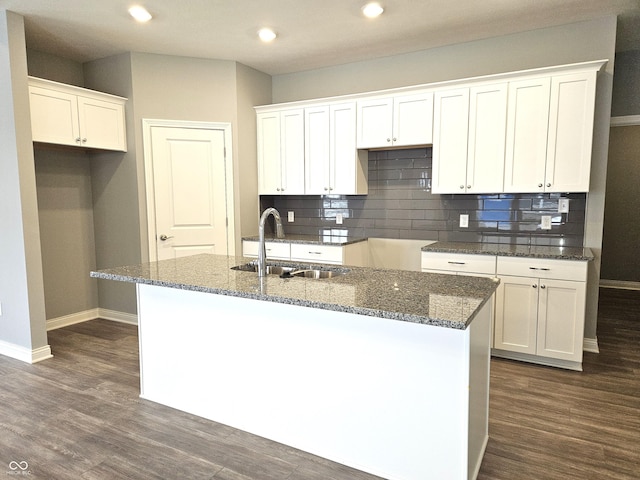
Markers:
<point>189,188</point>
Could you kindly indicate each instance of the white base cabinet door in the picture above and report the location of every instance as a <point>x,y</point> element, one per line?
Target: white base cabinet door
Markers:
<point>516,322</point>
<point>561,310</point>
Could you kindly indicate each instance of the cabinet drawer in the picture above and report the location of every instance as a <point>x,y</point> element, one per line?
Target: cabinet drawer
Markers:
<point>459,263</point>
<point>316,253</point>
<point>543,268</point>
<point>279,250</point>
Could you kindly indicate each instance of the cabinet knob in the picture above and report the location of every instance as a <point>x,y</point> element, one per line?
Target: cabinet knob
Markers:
<point>461,187</point>
<point>539,185</point>
<point>78,140</point>
<point>395,139</point>
<point>543,286</point>
<point>326,188</point>
<point>534,285</point>
<point>468,187</point>
<point>277,189</point>
<point>548,185</point>
<point>84,140</point>
<point>388,139</point>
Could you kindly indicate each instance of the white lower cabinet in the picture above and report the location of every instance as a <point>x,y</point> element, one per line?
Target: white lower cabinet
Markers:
<point>355,254</point>
<point>539,304</point>
<point>540,310</point>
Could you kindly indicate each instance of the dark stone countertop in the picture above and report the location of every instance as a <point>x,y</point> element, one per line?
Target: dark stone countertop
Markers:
<point>432,299</point>
<point>509,250</point>
<point>311,239</point>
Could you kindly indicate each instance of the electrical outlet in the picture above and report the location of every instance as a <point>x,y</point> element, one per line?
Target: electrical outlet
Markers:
<point>563,205</point>
<point>339,218</point>
<point>546,222</point>
<point>290,217</point>
<point>464,220</point>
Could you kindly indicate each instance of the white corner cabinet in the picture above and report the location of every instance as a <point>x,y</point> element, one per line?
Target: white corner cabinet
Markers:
<point>355,254</point>
<point>539,305</point>
<point>69,115</point>
<point>395,121</point>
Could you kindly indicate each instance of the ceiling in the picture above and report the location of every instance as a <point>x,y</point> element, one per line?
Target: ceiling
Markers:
<point>311,34</point>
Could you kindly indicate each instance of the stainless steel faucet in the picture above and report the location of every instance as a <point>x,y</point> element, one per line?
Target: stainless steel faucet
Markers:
<point>262,252</point>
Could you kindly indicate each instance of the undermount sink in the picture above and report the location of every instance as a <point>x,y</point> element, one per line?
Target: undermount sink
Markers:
<point>291,271</point>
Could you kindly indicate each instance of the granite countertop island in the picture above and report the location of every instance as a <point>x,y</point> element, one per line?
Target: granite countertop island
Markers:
<point>430,299</point>
<point>385,371</point>
<point>512,250</point>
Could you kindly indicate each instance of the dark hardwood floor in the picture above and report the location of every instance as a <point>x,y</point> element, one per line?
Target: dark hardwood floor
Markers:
<point>78,415</point>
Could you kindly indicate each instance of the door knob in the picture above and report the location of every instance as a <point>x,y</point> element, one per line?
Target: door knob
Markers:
<point>164,238</point>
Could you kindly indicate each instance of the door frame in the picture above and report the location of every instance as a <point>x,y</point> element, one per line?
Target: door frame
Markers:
<point>147,125</point>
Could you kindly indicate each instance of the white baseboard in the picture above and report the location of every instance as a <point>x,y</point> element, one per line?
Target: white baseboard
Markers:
<point>590,345</point>
<point>72,319</point>
<point>92,314</point>
<point>25,354</point>
<point>621,284</point>
<point>116,316</point>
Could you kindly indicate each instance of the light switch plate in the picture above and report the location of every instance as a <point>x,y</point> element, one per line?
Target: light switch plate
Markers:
<point>290,217</point>
<point>464,220</point>
<point>563,205</point>
<point>339,219</point>
<point>546,222</point>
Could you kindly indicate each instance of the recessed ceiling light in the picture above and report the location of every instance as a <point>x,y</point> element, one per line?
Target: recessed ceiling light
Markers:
<point>140,14</point>
<point>372,10</point>
<point>266,34</point>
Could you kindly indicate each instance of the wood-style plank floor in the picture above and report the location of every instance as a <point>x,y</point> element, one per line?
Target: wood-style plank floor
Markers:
<point>78,416</point>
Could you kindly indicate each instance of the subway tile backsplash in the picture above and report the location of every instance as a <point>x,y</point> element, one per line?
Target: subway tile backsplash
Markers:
<point>400,205</point>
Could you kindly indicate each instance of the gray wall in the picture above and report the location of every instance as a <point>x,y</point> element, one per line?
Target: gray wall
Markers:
<point>578,42</point>
<point>626,82</point>
<point>23,318</point>
<point>620,261</point>
<point>65,208</point>
<point>172,88</point>
<point>400,205</point>
<point>621,227</point>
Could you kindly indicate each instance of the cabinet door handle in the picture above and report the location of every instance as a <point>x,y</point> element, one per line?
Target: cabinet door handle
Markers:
<point>544,269</point>
<point>543,286</point>
<point>164,238</point>
<point>461,187</point>
<point>395,139</point>
<point>388,139</point>
<point>457,263</point>
<point>539,185</point>
<point>84,140</point>
<point>468,187</point>
<point>548,184</point>
<point>534,285</point>
<point>315,253</point>
<point>77,139</point>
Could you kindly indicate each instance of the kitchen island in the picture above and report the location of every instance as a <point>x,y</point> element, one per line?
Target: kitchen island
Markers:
<point>386,371</point>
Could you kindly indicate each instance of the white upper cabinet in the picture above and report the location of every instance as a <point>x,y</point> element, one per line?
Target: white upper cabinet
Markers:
<point>469,139</point>
<point>67,115</point>
<point>487,134</point>
<point>527,129</point>
<point>395,121</point>
<point>281,152</point>
<point>570,132</point>
<point>550,131</point>
<point>450,132</point>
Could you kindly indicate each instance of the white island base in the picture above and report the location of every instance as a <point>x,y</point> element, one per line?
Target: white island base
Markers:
<point>396,399</point>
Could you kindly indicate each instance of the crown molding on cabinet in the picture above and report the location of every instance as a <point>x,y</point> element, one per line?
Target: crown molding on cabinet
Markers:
<point>520,74</point>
